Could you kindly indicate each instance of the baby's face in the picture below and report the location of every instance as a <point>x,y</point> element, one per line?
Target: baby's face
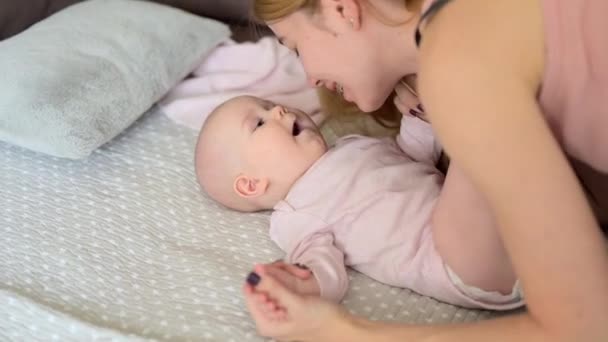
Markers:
<point>275,142</point>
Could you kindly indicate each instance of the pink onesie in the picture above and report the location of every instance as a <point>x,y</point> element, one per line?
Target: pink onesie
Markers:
<point>367,204</point>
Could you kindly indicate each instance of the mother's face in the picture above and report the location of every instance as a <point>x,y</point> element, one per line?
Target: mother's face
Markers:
<point>334,54</point>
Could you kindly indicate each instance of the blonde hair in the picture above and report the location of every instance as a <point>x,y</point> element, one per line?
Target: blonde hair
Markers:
<point>272,10</point>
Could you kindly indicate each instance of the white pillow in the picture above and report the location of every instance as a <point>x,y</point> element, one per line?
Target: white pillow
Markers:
<point>77,79</point>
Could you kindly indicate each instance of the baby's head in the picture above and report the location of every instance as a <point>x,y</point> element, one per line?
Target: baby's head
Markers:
<point>251,151</point>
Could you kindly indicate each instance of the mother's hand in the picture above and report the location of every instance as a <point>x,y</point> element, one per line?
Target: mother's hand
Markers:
<point>406,99</point>
<point>293,317</point>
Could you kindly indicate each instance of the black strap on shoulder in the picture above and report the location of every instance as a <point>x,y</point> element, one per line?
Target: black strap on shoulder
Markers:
<point>434,8</point>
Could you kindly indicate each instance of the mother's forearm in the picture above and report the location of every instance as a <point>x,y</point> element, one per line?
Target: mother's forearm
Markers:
<point>519,327</point>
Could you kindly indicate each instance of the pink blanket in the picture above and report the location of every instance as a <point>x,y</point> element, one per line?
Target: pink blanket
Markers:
<point>265,69</point>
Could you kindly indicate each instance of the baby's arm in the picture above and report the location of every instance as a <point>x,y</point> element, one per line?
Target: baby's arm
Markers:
<point>417,140</point>
<point>308,241</point>
<point>326,261</point>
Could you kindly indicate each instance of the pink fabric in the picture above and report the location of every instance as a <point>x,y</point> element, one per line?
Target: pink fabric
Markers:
<point>574,95</point>
<point>265,69</point>
<point>367,204</point>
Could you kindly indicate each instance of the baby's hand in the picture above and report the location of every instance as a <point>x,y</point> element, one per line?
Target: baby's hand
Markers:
<point>294,277</point>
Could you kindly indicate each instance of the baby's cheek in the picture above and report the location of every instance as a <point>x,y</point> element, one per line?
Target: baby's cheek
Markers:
<point>281,157</point>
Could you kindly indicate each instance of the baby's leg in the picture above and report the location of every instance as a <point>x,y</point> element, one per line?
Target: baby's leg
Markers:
<point>467,238</point>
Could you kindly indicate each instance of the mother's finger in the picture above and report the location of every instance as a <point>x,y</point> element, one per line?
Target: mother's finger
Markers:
<point>408,100</point>
<point>282,295</point>
<point>296,270</point>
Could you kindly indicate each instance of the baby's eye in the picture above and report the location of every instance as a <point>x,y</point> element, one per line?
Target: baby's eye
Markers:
<point>260,123</point>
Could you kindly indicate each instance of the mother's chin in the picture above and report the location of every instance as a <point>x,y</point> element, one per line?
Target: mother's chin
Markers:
<point>369,103</point>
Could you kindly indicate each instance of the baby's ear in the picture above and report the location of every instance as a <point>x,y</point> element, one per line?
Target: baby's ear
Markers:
<point>248,187</point>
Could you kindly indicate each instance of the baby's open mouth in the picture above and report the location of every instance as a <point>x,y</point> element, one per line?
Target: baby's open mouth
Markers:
<point>295,131</point>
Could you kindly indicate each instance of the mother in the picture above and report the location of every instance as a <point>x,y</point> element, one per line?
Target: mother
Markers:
<point>511,87</point>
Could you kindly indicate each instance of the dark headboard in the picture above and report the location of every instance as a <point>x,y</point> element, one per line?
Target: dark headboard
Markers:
<point>18,15</point>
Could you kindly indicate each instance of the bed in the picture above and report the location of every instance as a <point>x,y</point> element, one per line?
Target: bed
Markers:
<point>123,246</point>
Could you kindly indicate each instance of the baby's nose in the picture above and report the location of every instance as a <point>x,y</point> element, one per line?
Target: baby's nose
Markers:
<point>278,111</point>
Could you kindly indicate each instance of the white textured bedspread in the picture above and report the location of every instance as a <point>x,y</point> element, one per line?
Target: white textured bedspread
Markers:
<point>123,246</point>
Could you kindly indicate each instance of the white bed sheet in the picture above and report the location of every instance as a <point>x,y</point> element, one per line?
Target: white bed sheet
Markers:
<point>123,246</point>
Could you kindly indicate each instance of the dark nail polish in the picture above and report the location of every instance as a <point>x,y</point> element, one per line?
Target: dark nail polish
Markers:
<point>420,108</point>
<point>414,113</point>
<point>253,279</point>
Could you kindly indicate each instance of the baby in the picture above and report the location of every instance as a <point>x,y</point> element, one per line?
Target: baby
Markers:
<point>364,203</point>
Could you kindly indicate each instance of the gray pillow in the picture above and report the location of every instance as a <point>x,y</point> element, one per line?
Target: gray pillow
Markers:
<point>77,79</point>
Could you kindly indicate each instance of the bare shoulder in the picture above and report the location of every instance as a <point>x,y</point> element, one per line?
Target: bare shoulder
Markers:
<point>504,38</point>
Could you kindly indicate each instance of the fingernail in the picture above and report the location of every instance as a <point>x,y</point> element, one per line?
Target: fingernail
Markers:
<point>420,108</point>
<point>414,113</point>
<point>253,279</point>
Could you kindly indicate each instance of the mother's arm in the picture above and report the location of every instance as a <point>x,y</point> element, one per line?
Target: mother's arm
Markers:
<point>478,80</point>
<point>495,132</point>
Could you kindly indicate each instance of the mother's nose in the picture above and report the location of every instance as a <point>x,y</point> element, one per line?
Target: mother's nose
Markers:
<point>314,82</point>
